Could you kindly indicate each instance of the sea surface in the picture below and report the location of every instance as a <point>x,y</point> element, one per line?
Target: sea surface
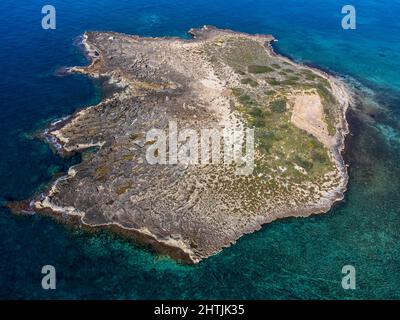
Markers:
<point>288,259</point>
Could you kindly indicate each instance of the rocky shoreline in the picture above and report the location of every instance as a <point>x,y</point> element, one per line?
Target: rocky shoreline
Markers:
<point>176,245</point>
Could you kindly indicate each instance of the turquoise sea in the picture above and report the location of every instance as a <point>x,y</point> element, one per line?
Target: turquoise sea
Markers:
<point>288,259</point>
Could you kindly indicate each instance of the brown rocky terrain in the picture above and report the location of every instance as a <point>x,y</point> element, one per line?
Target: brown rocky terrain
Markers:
<point>219,77</point>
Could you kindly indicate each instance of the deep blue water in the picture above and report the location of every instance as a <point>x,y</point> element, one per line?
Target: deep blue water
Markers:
<point>293,258</point>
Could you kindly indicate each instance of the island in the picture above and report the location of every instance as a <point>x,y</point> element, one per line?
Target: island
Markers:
<point>215,79</point>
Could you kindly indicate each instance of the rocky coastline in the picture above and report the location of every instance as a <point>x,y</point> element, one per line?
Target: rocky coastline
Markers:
<point>172,229</point>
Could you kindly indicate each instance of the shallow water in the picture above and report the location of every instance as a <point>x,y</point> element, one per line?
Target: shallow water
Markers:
<point>293,258</point>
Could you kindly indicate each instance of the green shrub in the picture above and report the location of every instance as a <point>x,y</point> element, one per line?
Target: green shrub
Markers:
<point>257,117</point>
<point>272,81</point>
<point>303,163</point>
<point>319,156</point>
<point>259,69</point>
<point>279,106</point>
<point>291,81</point>
<point>249,81</point>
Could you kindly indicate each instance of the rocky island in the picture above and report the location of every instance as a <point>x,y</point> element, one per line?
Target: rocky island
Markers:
<point>191,212</point>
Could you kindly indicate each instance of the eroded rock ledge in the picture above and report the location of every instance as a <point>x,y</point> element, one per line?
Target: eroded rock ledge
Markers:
<point>193,212</point>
